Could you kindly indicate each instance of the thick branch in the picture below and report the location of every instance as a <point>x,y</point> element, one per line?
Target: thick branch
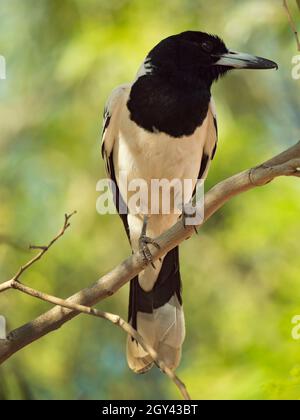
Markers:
<point>285,164</point>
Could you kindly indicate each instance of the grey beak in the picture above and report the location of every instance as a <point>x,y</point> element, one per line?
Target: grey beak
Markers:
<point>245,61</point>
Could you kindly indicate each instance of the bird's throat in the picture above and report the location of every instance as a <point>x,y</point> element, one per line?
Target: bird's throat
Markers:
<point>176,109</point>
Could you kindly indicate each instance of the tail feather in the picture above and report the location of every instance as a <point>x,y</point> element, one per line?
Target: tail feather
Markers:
<point>158,316</point>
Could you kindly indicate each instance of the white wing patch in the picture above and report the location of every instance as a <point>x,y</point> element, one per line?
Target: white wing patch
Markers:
<point>111,122</point>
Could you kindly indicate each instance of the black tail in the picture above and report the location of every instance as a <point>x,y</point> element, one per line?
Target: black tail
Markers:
<point>158,316</point>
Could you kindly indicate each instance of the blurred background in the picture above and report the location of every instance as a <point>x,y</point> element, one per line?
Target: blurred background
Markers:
<point>241,275</point>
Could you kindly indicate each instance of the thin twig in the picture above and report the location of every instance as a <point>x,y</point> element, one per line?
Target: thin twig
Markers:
<point>6,285</point>
<point>15,283</point>
<point>115,319</point>
<point>291,21</point>
<point>44,249</point>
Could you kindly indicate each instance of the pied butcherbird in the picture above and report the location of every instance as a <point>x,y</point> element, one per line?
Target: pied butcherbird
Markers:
<point>163,126</point>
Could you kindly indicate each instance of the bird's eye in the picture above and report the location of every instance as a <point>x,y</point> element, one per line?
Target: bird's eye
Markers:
<point>207,46</point>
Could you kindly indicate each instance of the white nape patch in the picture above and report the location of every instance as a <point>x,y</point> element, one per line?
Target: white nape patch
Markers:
<point>146,68</point>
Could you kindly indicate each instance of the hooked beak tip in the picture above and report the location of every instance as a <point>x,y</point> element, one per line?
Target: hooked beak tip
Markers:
<point>267,64</point>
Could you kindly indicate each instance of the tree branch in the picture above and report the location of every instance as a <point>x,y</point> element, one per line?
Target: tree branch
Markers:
<point>7,285</point>
<point>115,319</point>
<point>15,283</point>
<point>284,164</point>
<point>292,22</point>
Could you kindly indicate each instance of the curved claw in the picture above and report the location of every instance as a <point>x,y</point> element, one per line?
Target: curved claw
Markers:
<point>144,241</point>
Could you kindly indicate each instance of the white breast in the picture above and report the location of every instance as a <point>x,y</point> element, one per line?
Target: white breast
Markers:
<point>146,155</point>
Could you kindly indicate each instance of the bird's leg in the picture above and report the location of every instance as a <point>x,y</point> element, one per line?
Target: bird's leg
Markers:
<point>144,241</point>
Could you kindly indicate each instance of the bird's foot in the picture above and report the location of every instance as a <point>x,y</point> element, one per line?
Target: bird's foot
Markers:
<point>144,243</point>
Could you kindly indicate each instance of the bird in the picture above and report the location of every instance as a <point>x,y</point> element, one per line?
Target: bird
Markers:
<point>163,125</point>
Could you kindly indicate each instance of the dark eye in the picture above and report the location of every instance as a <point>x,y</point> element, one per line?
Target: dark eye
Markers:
<point>207,46</point>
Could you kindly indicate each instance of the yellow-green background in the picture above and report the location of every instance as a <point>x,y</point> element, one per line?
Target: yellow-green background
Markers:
<point>241,275</point>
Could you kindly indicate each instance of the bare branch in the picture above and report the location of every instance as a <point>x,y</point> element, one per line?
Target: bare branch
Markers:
<point>5,286</point>
<point>292,22</point>
<point>43,249</point>
<point>14,283</point>
<point>115,319</point>
<point>110,283</point>
<point>284,164</point>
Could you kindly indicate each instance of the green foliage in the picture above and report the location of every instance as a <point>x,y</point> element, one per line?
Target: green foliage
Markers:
<point>241,275</point>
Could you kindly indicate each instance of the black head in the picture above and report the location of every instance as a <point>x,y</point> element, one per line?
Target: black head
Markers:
<point>197,55</point>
